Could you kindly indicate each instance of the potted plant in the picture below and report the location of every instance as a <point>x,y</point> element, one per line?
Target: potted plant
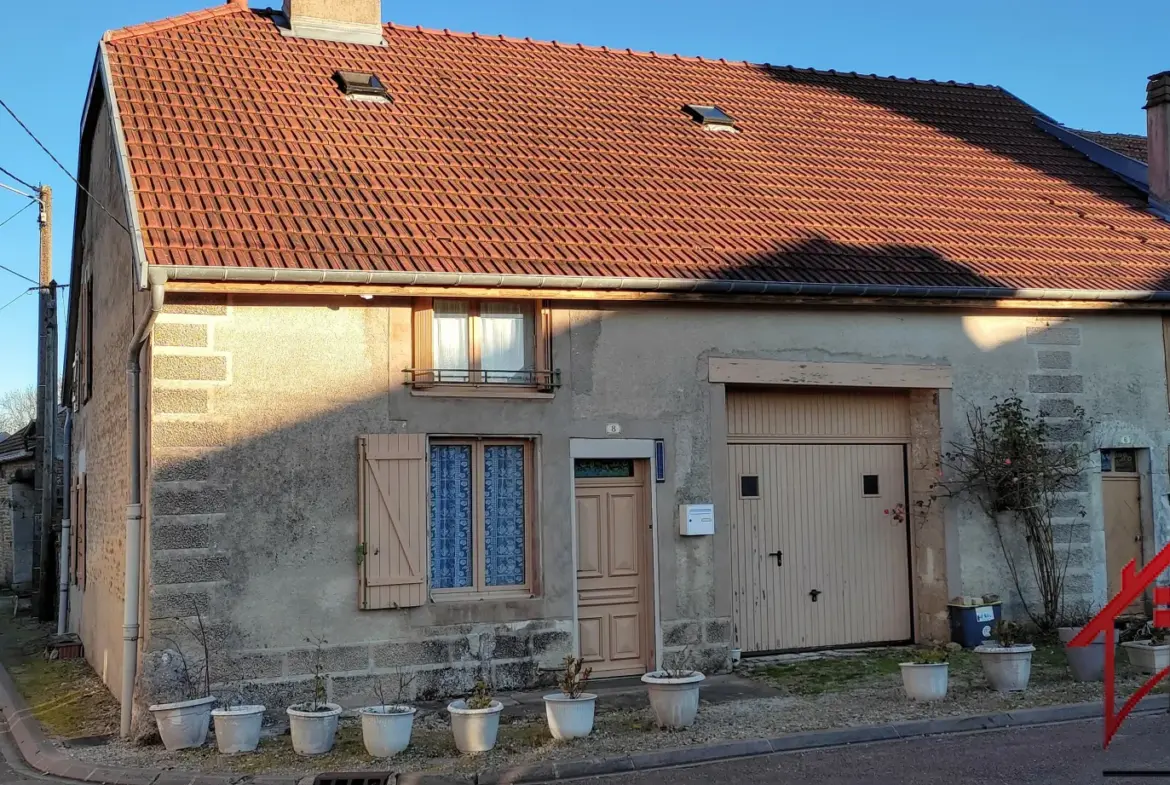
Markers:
<point>1149,652</point>
<point>1086,663</point>
<point>674,694</point>
<point>570,711</point>
<point>1007,664</point>
<point>475,720</point>
<point>926,675</point>
<point>386,728</point>
<point>184,724</point>
<point>313,724</point>
<point>237,724</point>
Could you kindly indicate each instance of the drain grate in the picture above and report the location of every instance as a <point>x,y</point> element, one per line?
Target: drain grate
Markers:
<point>354,778</point>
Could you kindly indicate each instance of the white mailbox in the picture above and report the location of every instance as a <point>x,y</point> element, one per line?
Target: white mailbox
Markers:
<point>696,519</point>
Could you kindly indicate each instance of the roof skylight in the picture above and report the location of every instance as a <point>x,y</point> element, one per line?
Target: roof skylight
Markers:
<point>710,117</point>
<point>359,85</point>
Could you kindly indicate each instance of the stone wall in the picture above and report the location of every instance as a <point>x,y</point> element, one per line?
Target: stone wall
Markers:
<point>257,407</point>
<point>9,498</point>
<point>100,438</point>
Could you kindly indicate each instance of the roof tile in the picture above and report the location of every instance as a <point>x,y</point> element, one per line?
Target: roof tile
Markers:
<point>514,156</point>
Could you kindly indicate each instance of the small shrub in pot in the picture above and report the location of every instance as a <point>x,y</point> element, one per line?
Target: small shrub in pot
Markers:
<point>674,693</point>
<point>313,724</point>
<point>475,720</point>
<point>1007,664</point>
<point>386,727</point>
<point>1149,651</point>
<point>184,724</point>
<point>926,675</point>
<point>1086,663</point>
<point>570,712</point>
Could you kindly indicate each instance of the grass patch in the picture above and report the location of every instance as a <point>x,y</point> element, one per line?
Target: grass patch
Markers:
<point>814,677</point>
<point>880,669</point>
<point>66,696</point>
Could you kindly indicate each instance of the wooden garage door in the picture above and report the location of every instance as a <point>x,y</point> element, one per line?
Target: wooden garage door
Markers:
<point>820,553</point>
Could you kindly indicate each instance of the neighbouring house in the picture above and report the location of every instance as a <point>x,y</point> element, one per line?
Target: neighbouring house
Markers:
<point>461,353</point>
<point>18,509</point>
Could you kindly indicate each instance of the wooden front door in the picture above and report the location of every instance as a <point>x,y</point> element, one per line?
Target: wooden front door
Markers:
<point>1123,527</point>
<point>615,612</point>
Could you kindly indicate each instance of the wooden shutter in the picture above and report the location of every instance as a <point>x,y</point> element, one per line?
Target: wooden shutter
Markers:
<point>392,493</point>
<point>423,347</point>
<point>543,352</point>
<point>80,524</point>
<point>84,359</point>
<point>73,515</point>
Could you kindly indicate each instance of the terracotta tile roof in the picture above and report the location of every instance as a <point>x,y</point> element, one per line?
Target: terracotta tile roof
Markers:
<point>1127,144</point>
<point>514,156</point>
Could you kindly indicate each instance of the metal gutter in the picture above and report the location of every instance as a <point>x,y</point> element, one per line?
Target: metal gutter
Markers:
<point>677,285</point>
<point>132,590</point>
<point>66,527</point>
<point>124,168</point>
<point>1132,171</point>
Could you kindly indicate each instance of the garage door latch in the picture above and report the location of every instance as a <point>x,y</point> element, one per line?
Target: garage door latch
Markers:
<point>779,558</point>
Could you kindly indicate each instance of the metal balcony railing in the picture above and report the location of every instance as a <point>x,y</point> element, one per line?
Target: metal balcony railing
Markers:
<point>427,377</point>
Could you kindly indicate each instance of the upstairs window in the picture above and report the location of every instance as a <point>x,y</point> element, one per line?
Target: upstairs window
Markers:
<point>481,344</point>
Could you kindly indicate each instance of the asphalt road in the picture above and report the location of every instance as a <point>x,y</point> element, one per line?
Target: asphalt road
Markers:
<point>12,768</point>
<point>1068,754</point>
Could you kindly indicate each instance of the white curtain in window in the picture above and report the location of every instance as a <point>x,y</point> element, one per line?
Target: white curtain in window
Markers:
<point>507,340</point>
<point>450,329</point>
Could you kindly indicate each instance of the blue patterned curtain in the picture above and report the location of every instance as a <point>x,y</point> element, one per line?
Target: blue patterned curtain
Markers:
<point>503,492</point>
<point>450,516</point>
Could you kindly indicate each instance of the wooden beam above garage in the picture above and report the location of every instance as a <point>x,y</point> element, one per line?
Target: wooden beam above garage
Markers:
<point>727,370</point>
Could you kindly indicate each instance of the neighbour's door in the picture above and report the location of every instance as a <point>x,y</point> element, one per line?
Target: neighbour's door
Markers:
<point>614,566</point>
<point>1121,492</point>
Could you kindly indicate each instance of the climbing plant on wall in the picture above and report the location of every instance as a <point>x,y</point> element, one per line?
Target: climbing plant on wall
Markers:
<point>1014,467</point>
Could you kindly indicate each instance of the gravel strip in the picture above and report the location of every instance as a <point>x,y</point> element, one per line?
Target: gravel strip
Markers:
<point>526,741</point>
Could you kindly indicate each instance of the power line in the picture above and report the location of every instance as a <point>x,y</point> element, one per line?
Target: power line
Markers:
<point>17,297</point>
<point>25,183</point>
<point>18,212</point>
<point>19,275</point>
<point>61,166</point>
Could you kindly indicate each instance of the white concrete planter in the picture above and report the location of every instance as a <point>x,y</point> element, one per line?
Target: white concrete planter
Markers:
<point>183,724</point>
<point>386,729</point>
<point>675,701</point>
<point>925,682</point>
<point>313,732</point>
<point>237,729</point>
<point>1007,668</point>
<point>1146,657</point>
<point>475,730</point>
<point>1087,663</point>
<point>569,718</point>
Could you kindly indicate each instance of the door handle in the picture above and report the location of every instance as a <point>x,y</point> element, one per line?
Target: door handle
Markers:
<point>814,594</point>
<point>779,558</point>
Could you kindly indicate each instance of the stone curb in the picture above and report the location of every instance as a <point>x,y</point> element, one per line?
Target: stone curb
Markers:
<point>43,756</point>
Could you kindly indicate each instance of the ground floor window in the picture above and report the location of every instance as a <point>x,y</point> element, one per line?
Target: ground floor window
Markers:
<point>481,528</point>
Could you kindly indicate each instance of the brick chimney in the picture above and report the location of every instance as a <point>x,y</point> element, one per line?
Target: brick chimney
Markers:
<point>1158,139</point>
<point>347,21</point>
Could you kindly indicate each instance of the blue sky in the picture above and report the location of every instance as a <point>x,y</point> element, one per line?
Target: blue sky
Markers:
<point>1070,58</point>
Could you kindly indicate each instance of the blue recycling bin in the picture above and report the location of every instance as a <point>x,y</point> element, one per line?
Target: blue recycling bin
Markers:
<point>972,625</point>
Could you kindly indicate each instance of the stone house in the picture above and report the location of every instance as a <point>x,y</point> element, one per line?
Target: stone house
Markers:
<point>463,353</point>
<point>18,508</point>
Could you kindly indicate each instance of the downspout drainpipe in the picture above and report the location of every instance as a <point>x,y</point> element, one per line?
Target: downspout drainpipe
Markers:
<point>63,567</point>
<point>130,608</point>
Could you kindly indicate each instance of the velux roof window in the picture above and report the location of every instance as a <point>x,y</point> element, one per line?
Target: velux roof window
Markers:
<point>711,118</point>
<point>361,86</point>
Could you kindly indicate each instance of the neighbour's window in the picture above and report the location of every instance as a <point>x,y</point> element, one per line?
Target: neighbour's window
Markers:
<point>481,343</point>
<point>481,510</point>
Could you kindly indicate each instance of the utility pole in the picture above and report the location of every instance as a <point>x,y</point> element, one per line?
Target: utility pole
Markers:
<point>47,407</point>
